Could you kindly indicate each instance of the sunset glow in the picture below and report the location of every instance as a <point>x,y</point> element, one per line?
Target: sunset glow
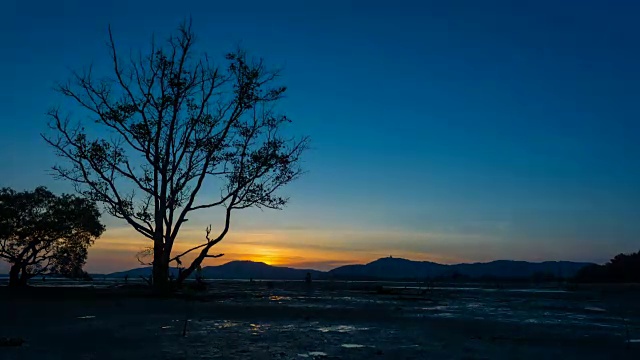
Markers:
<point>447,133</point>
<point>322,250</point>
<point>273,247</point>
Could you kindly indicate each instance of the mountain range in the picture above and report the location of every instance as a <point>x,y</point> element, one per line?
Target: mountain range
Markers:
<point>382,269</point>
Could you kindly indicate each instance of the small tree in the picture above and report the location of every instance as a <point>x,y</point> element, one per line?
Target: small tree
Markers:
<point>169,121</point>
<point>41,233</point>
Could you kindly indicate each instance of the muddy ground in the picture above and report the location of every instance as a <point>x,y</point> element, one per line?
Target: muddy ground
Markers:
<point>290,320</point>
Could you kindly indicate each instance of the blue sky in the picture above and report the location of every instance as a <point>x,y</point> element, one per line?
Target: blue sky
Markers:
<point>454,131</point>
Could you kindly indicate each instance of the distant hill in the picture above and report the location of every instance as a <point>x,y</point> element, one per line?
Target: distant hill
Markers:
<point>520,269</point>
<point>382,269</point>
<point>389,268</point>
<point>397,268</point>
<point>133,273</point>
<point>233,270</point>
<point>256,270</point>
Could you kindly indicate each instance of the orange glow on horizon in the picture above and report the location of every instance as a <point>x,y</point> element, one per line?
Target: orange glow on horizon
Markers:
<point>117,248</point>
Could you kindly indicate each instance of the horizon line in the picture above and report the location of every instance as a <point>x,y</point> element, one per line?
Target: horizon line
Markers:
<point>389,257</point>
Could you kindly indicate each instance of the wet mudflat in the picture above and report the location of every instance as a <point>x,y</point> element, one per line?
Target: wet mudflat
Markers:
<point>289,320</point>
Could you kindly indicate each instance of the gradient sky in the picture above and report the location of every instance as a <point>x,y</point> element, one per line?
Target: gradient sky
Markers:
<point>441,130</point>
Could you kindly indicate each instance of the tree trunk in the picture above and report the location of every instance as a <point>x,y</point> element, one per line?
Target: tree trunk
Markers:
<point>160,274</point>
<point>160,278</point>
<point>24,278</point>
<point>184,274</point>
<point>14,276</point>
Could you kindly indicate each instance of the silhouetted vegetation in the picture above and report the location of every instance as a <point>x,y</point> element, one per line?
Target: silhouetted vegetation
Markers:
<point>41,233</point>
<point>623,268</point>
<point>168,122</point>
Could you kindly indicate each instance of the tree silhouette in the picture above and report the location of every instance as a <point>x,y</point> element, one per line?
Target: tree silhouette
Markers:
<point>169,121</point>
<point>41,233</point>
<point>623,268</point>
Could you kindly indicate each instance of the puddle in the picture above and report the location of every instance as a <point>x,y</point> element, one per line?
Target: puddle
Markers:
<point>594,308</point>
<point>86,317</point>
<point>166,327</point>
<point>257,329</point>
<point>317,353</point>
<point>475,306</point>
<point>444,315</point>
<point>340,328</point>
<point>603,325</point>
<point>352,346</point>
<point>538,291</point>
<point>225,324</point>
<point>508,310</point>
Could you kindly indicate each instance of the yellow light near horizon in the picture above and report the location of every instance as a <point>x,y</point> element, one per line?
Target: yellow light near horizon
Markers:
<point>116,250</point>
<point>267,255</point>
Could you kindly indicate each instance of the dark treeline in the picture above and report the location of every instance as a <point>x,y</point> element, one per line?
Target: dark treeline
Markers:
<point>623,268</point>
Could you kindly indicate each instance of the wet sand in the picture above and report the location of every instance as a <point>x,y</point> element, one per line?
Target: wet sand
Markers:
<point>290,320</point>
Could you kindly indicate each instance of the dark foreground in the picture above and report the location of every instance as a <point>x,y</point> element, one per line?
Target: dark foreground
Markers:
<point>241,320</point>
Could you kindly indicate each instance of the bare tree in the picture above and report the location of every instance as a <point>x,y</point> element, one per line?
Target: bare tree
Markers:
<point>168,121</point>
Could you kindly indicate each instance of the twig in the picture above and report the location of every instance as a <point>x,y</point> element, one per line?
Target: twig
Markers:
<point>184,329</point>
<point>147,280</point>
<point>626,327</point>
<point>186,319</point>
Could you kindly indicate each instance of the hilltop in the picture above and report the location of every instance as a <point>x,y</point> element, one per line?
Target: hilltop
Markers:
<point>383,269</point>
